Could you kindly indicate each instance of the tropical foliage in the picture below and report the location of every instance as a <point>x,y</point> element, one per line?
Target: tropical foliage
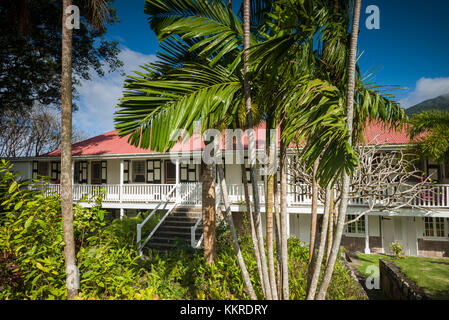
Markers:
<point>430,132</point>
<point>32,260</point>
<point>297,75</point>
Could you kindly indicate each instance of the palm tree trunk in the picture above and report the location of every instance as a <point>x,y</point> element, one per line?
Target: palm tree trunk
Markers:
<point>72,277</point>
<point>269,207</point>
<point>314,210</point>
<point>253,228</point>
<point>330,227</point>
<point>235,243</point>
<point>313,222</point>
<point>316,270</point>
<point>277,226</point>
<point>251,142</point>
<point>283,218</point>
<point>208,211</point>
<point>346,178</point>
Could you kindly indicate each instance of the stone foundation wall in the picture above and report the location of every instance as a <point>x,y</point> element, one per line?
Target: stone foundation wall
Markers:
<point>395,285</point>
<point>433,248</point>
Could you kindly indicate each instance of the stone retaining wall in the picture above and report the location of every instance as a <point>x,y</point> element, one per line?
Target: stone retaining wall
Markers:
<point>395,285</point>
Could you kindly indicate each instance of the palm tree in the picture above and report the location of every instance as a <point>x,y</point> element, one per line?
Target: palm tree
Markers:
<point>66,157</point>
<point>429,130</point>
<point>202,40</point>
<point>252,146</point>
<point>346,177</point>
<point>310,101</point>
<point>99,15</point>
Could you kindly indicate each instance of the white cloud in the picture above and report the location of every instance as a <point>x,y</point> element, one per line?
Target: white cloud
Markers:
<point>99,96</point>
<point>426,88</point>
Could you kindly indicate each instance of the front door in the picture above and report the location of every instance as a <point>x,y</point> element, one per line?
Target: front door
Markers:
<point>170,172</point>
<point>96,172</point>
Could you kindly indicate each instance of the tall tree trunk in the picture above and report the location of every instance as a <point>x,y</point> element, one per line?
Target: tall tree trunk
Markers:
<point>277,220</point>
<point>253,228</point>
<point>235,243</point>
<point>251,143</point>
<point>269,205</point>
<point>314,210</point>
<point>346,178</point>
<point>208,211</point>
<point>72,276</point>
<point>316,270</point>
<point>283,217</point>
<point>330,232</point>
<point>313,222</point>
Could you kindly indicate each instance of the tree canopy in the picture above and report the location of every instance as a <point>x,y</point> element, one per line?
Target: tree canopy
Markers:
<point>30,52</point>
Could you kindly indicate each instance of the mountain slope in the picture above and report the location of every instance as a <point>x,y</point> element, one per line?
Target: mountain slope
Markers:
<point>438,103</point>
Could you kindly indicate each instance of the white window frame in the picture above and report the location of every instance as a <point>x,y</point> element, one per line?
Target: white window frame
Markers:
<point>435,236</point>
<point>359,226</point>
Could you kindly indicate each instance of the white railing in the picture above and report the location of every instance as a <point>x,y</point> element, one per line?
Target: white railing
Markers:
<point>236,193</point>
<point>193,241</point>
<point>432,196</point>
<point>191,193</point>
<point>160,206</point>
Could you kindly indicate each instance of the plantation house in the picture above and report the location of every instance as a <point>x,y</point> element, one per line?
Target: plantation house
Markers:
<point>135,179</point>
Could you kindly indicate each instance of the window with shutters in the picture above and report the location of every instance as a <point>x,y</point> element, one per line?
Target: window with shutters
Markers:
<point>55,172</point>
<point>153,171</point>
<point>188,172</point>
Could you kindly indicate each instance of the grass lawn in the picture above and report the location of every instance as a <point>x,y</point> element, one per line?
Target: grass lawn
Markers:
<point>432,277</point>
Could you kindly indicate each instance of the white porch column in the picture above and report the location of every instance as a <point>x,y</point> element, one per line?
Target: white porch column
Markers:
<point>381,232</point>
<point>122,167</point>
<point>367,250</point>
<point>178,180</point>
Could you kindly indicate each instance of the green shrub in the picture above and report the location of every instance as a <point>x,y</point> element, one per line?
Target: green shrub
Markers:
<point>397,249</point>
<point>32,258</point>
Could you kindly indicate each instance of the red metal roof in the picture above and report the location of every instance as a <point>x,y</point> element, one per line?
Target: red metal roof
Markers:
<point>110,143</point>
<point>377,131</point>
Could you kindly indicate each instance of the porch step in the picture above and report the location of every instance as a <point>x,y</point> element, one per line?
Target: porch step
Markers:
<point>187,212</point>
<point>176,228</point>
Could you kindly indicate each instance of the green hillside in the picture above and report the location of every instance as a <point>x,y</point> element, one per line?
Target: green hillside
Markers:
<point>438,103</point>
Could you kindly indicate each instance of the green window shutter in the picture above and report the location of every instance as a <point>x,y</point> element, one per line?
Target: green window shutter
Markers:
<point>83,172</point>
<point>153,171</point>
<point>104,171</point>
<point>125,171</point>
<point>34,175</point>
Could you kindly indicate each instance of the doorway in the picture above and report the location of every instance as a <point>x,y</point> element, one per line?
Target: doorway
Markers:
<point>170,172</point>
<point>96,172</point>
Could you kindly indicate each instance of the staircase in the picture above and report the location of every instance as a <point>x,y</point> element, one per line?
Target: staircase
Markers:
<point>176,229</point>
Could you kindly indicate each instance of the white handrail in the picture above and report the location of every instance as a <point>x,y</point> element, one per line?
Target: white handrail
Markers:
<point>140,244</point>
<point>181,198</point>
<point>193,233</point>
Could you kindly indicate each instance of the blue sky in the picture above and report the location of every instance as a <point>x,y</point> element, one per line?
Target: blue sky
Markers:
<point>410,50</point>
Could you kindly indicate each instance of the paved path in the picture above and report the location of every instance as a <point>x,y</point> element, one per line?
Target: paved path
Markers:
<point>373,294</point>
